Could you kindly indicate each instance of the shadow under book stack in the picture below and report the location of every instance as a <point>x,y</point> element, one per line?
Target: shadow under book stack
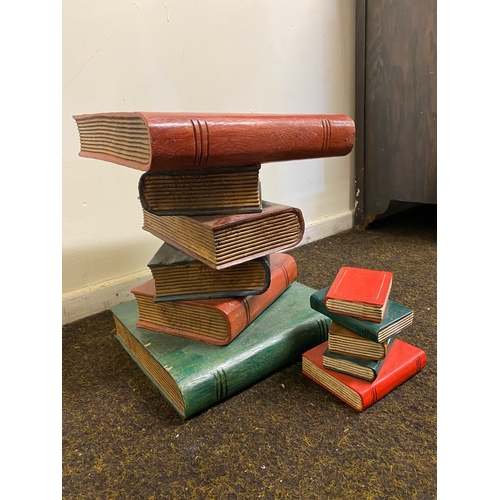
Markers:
<point>363,359</point>
<point>223,308</point>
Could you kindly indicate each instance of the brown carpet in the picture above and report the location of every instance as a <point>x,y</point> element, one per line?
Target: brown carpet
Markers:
<point>284,437</point>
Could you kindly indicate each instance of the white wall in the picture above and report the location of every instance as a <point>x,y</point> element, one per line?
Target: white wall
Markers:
<point>257,56</point>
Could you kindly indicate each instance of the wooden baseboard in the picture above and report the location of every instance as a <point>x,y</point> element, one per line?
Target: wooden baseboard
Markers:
<point>94,299</point>
<point>327,226</point>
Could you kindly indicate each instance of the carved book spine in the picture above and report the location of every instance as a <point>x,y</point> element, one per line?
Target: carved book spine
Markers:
<point>164,141</point>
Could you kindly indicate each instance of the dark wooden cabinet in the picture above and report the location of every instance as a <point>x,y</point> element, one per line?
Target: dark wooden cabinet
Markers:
<point>396,115</point>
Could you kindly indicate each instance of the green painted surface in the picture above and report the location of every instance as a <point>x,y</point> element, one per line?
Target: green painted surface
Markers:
<point>207,374</point>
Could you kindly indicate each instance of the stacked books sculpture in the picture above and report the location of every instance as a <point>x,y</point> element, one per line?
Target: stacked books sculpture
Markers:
<point>222,308</point>
<point>363,359</point>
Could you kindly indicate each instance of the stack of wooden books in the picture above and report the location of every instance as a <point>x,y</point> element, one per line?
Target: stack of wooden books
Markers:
<point>363,359</point>
<point>222,308</point>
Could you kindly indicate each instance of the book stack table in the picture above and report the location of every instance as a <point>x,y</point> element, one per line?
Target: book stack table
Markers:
<point>222,308</point>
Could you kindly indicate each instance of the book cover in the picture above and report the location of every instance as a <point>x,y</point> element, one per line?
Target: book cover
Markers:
<point>193,376</point>
<point>366,369</point>
<point>215,321</point>
<point>361,293</point>
<point>402,362</point>
<point>178,276</point>
<point>348,343</point>
<point>223,241</point>
<point>397,317</point>
<point>152,141</point>
<point>201,191</point>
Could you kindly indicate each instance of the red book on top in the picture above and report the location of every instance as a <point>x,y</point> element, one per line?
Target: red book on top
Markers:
<point>401,363</point>
<point>361,293</point>
<point>155,141</point>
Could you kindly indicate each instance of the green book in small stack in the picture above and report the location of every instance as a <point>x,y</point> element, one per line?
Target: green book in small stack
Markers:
<point>193,375</point>
<point>397,317</point>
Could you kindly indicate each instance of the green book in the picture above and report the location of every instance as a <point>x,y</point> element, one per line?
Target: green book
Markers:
<point>397,317</point>
<point>194,375</point>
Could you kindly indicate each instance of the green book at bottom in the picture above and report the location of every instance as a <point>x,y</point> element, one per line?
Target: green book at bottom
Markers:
<point>193,375</point>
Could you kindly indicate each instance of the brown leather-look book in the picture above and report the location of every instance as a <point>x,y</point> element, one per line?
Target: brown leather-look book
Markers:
<point>151,141</point>
<point>205,191</point>
<point>223,241</point>
<point>215,321</point>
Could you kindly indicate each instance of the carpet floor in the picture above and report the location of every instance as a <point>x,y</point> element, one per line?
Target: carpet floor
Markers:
<point>283,437</point>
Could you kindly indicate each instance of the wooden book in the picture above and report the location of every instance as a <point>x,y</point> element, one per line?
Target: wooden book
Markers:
<point>361,293</point>
<point>170,141</point>
<point>366,369</point>
<point>216,321</point>
<point>178,276</point>
<point>396,318</point>
<point>348,343</point>
<point>223,241</point>
<point>402,362</point>
<point>193,376</point>
<point>201,191</point>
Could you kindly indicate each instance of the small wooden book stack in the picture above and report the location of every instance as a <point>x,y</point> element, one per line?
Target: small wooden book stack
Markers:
<point>206,324</point>
<point>363,359</point>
